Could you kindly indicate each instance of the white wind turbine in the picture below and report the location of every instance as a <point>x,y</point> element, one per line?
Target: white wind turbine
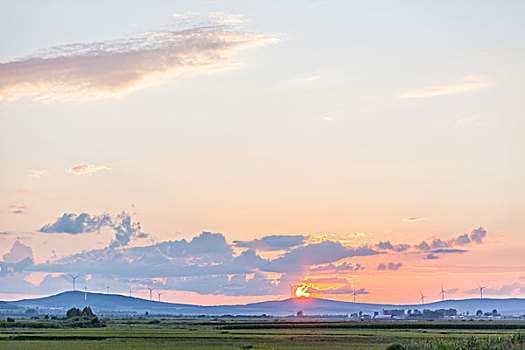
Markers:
<point>73,277</point>
<point>422,299</point>
<point>443,292</point>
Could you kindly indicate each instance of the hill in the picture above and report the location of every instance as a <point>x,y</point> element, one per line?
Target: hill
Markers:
<point>113,303</point>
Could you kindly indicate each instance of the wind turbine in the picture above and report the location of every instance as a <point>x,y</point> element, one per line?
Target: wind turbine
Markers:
<point>85,292</point>
<point>74,277</point>
<point>481,291</point>
<point>130,291</point>
<point>291,288</point>
<point>422,299</point>
<point>150,290</point>
<point>159,294</point>
<point>354,294</point>
<point>107,289</point>
<point>443,292</point>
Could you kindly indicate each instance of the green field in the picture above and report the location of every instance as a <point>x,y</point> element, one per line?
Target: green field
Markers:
<point>245,334</point>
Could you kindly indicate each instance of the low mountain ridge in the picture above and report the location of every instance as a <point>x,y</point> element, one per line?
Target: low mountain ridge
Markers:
<point>112,303</point>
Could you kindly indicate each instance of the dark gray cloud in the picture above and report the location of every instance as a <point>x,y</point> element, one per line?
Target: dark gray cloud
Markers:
<point>270,243</point>
<point>390,266</point>
<point>388,246</point>
<point>440,251</point>
<point>431,256</point>
<point>422,246</point>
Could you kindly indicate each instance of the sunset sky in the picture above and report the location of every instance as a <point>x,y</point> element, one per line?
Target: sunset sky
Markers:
<point>221,151</point>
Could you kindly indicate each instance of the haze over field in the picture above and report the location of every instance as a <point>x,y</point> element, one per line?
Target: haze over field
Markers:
<point>228,152</point>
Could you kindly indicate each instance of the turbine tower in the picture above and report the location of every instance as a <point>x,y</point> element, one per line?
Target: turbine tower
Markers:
<point>85,292</point>
<point>159,294</point>
<point>422,299</point>
<point>481,291</point>
<point>443,292</point>
<point>73,277</point>
<point>150,290</point>
<point>107,289</point>
<point>130,291</point>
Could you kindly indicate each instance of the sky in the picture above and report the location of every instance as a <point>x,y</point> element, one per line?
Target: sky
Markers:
<point>223,151</point>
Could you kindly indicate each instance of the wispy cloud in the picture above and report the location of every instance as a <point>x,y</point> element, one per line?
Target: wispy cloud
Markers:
<point>27,192</point>
<point>84,169</point>
<point>470,120</point>
<point>17,208</point>
<point>36,173</point>
<point>466,84</point>
<point>414,219</point>
<point>99,69</point>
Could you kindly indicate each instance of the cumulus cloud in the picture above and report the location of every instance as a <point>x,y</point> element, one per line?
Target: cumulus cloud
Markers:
<point>123,225</point>
<point>17,259</point>
<point>18,252</point>
<point>85,169</point>
<point>100,69</point>
<point>74,224</point>
<point>388,246</point>
<point>466,84</point>
<point>390,266</point>
<point>275,242</point>
<point>478,234</point>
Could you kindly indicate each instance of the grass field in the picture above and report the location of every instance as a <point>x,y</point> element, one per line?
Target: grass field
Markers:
<point>248,334</point>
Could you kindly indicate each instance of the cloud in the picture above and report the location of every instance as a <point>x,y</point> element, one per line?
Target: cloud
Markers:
<point>17,208</point>
<point>422,246</point>
<point>414,219</point>
<point>478,234</point>
<point>390,266</point>
<point>74,224</point>
<point>337,268</point>
<point>506,289</point>
<point>440,251</point>
<point>27,192</point>
<point>470,120</point>
<point>100,69</point>
<point>466,84</point>
<point>18,252</point>
<point>431,257</point>
<point>84,169</point>
<point>124,227</point>
<point>317,254</point>
<point>388,246</point>
<point>16,260</point>
<point>36,173</point>
<point>275,242</point>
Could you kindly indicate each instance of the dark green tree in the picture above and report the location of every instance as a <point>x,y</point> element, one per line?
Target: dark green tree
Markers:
<point>87,312</point>
<point>73,312</point>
